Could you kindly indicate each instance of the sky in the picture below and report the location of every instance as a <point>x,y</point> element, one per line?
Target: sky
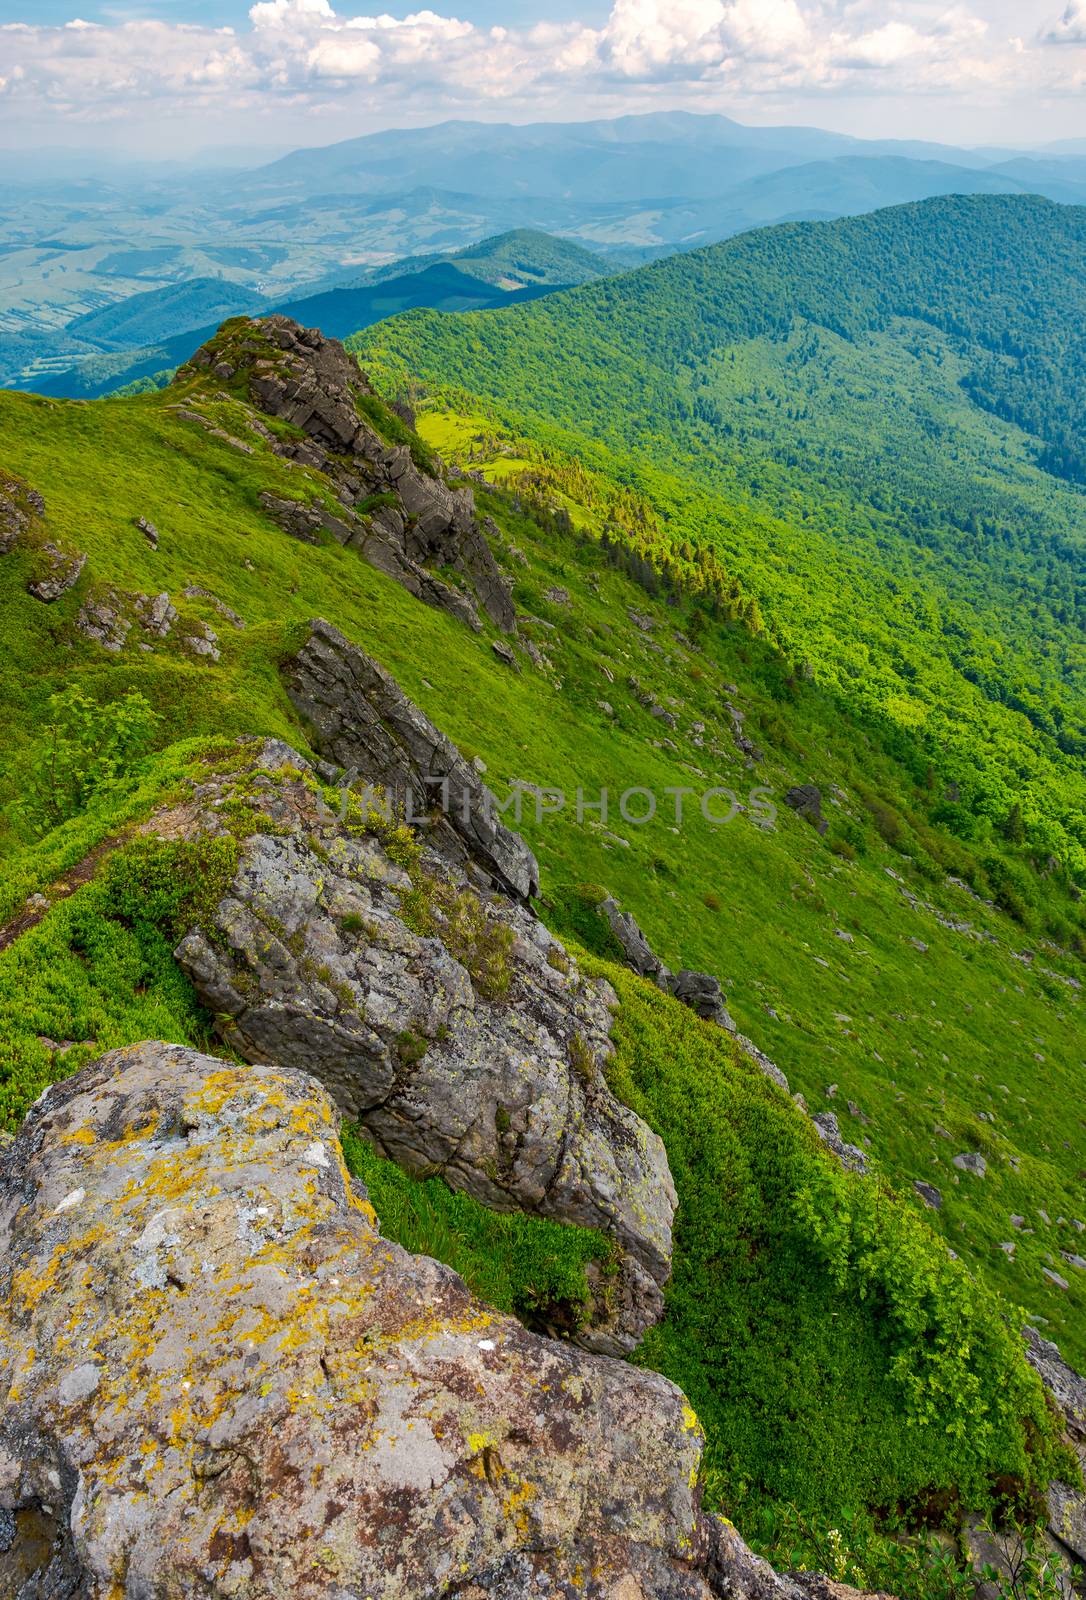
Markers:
<point>169,78</point>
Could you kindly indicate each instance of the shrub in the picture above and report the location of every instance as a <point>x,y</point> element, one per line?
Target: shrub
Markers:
<point>89,748</point>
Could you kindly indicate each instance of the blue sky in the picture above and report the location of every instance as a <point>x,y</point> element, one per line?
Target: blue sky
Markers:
<point>166,77</point>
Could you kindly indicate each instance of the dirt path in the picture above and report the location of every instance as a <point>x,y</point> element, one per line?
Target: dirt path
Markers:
<point>73,879</point>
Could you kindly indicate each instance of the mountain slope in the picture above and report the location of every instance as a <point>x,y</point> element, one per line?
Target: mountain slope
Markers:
<point>807,401</point>
<point>760,1254</point>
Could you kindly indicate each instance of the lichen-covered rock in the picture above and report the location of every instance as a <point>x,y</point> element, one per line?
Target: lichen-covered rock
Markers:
<point>222,1381</point>
<point>448,1022</point>
<point>362,720</point>
<point>400,518</point>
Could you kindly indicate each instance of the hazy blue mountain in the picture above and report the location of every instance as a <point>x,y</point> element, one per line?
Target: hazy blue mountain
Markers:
<point>141,338</point>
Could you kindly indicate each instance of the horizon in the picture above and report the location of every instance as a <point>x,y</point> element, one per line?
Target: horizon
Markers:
<point>179,78</point>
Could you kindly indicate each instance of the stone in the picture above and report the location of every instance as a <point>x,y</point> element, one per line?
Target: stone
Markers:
<point>1054,1278</point>
<point>220,1379</point>
<point>557,596</point>
<point>439,1019</point>
<point>929,1194</point>
<point>639,954</point>
<point>505,654</point>
<point>806,801</point>
<point>1018,1222</point>
<point>20,509</point>
<point>63,568</point>
<point>400,517</point>
<point>158,615</point>
<point>201,641</point>
<point>363,721</point>
<point>849,1155</point>
<point>104,623</point>
<point>149,531</point>
<point>704,996</point>
<point>971,1161</point>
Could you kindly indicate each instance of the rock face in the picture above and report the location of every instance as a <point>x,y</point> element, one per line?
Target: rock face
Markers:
<point>400,518</point>
<point>362,721</point>
<point>449,1023</point>
<point>1067,1390</point>
<point>222,1381</point>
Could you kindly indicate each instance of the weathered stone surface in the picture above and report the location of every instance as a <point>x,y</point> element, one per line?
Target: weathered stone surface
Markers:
<point>104,623</point>
<point>971,1161</point>
<point>221,1381</point>
<point>929,1194</point>
<point>640,956</point>
<point>61,571</point>
<point>453,1027</point>
<point>703,994</point>
<point>806,800</point>
<point>400,518</point>
<point>849,1155</point>
<point>149,531</point>
<point>1067,1390</point>
<point>20,508</point>
<point>364,722</point>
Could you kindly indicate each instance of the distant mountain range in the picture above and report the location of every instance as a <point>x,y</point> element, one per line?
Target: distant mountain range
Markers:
<point>140,337</point>
<point>185,248</point>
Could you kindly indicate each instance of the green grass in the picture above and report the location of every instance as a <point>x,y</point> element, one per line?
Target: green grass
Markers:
<point>765,1296</point>
<point>528,1267</point>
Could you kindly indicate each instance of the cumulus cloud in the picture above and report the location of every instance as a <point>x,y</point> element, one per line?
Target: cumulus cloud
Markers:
<point>315,52</point>
<point>1070,28</point>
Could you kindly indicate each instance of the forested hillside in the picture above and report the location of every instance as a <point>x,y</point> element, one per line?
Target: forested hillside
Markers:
<point>875,425</point>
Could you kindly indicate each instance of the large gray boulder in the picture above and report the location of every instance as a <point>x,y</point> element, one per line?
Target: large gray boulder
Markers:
<point>401,518</point>
<point>360,719</point>
<point>447,1022</point>
<point>220,1380</point>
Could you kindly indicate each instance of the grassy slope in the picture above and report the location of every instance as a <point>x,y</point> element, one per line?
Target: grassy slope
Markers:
<point>919,1040</point>
<point>795,399</point>
<point>949,1026</point>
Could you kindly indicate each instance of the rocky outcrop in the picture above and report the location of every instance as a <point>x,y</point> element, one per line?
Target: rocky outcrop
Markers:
<point>850,1156</point>
<point>698,990</point>
<point>60,572</point>
<point>401,518</point>
<point>221,1380</point>
<point>806,800</point>
<point>1066,1390</point>
<point>361,720</point>
<point>20,510</point>
<point>445,1020</point>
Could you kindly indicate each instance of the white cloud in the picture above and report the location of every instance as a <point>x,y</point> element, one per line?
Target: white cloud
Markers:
<point>429,63</point>
<point>1070,28</point>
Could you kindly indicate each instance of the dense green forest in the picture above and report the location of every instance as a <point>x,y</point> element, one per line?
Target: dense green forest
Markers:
<point>871,424</point>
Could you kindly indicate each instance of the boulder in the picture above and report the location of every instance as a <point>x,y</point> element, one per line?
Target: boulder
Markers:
<point>61,571</point>
<point>639,954</point>
<point>849,1155</point>
<point>929,1194</point>
<point>704,995</point>
<point>20,509</point>
<point>448,1023</point>
<point>220,1380</point>
<point>971,1161</point>
<point>362,721</point>
<point>806,800</point>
